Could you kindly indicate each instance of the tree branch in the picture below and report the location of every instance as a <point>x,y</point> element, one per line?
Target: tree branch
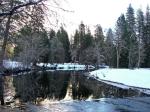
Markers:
<point>12,11</point>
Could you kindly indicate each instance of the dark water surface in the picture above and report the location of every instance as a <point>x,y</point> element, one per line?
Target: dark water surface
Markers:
<point>57,85</point>
<point>102,105</point>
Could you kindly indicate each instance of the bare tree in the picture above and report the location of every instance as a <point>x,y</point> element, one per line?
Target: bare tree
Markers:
<point>12,7</point>
<point>32,48</point>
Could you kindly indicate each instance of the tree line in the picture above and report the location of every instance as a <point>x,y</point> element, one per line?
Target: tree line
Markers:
<point>126,46</point>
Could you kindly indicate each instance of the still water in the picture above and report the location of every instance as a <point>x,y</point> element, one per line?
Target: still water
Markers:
<point>75,92</point>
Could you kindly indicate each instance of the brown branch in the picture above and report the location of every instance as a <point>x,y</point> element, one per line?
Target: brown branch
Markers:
<point>14,9</point>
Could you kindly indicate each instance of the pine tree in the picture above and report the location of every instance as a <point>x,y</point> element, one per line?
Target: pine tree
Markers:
<point>146,39</point>
<point>87,55</point>
<point>52,34</point>
<point>99,44</point>
<point>121,42</point>
<point>118,40</point>
<point>87,40</point>
<point>81,35</point>
<point>109,48</point>
<point>82,46</point>
<point>81,40</point>
<point>57,51</point>
<point>64,39</point>
<point>132,37</point>
<point>75,47</point>
<point>140,35</point>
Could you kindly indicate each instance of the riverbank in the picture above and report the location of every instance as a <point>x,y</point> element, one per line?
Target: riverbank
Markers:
<point>124,78</point>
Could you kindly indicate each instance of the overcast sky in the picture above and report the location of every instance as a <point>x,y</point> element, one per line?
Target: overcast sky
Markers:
<point>92,12</point>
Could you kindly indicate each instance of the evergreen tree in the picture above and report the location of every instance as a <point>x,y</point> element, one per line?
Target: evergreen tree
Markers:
<point>118,38</point>
<point>52,34</point>
<point>109,48</point>
<point>76,38</point>
<point>47,56</point>
<point>121,42</point>
<point>82,46</point>
<point>99,44</point>
<point>75,47</point>
<point>146,39</point>
<point>132,38</point>
<point>81,40</point>
<point>87,56</point>
<point>63,38</point>
<point>57,51</point>
<point>87,40</point>
<point>81,35</point>
<point>140,35</point>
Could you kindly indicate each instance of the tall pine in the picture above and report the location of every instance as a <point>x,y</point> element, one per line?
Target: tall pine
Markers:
<point>132,45</point>
<point>121,42</point>
<point>109,48</point>
<point>146,39</point>
<point>99,44</point>
<point>140,35</point>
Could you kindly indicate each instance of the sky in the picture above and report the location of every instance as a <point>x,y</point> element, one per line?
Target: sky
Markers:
<point>93,12</point>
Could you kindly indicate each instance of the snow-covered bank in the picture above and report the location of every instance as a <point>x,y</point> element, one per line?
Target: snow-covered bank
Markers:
<point>8,64</point>
<point>12,64</point>
<point>66,66</point>
<point>124,78</point>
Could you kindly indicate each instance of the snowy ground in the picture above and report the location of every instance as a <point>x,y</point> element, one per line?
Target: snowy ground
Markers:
<point>124,78</point>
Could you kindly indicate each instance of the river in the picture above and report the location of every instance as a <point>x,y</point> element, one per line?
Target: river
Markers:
<point>75,92</point>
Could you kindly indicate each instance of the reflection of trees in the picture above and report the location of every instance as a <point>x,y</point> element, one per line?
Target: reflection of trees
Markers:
<point>54,85</point>
<point>79,90</point>
<point>31,86</point>
<point>1,90</point>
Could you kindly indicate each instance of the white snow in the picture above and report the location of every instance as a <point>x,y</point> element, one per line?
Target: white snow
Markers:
<point>139,78</point>
<point>66,66</point>
<point>12,64</point>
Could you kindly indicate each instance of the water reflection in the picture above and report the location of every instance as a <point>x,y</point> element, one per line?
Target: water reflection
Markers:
<point>59,85</point>
<point>44,85</point>
<point>102,105</point>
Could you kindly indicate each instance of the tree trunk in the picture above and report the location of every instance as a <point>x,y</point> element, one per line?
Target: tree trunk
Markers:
<point>6,34</point>
<point>2,55</point>
<point>139,54</point>
<point>118,57</point>
<point>98,55</point>
<point>1,90</point>
<point>129,61</point>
